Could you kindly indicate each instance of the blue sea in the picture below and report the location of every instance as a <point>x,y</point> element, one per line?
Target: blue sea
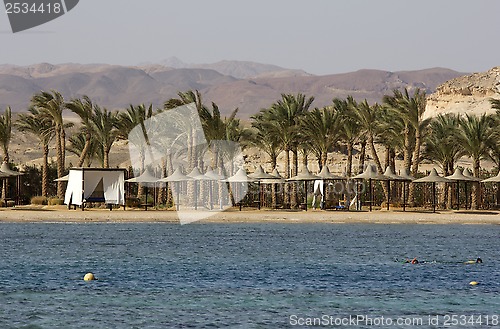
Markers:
<point>248,276</point>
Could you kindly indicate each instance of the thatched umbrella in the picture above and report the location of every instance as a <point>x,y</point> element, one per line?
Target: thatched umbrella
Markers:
<point>304,176</point>
<point>64,178</point>
<point>177,177</point>
<point>213,176</point>
<point>433,178</point>
<point>459,177</point>
<point>472,179</point>
<point>196,175</point>
<point>146,179</point>
<point>495,179</point>
<point>6,173</point>
<point>324,175</point>
<point>278,179</point>
<point>370,174</point>
<point>389,175</point>
<point>239,178</point>
<point>261,176</point>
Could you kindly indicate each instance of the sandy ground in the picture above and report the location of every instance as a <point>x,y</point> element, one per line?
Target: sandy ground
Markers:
<point>61,214</point>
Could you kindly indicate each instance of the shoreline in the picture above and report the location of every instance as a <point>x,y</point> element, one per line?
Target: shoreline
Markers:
<point>60,214</point>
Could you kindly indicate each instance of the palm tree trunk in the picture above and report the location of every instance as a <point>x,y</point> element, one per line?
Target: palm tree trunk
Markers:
<point>45,171</point>
<point>287,175</point>
<point>60,162</point>
<point>85,151</point>
<point>106,159</point>
<point>476,192</point>
<point>295,168</point>
<point>362,157</point>
<point>349,159</point>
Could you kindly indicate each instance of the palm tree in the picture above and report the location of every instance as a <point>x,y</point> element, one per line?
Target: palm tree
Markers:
<point>441,145</point>
<point>79,143</point>
<point>104,126</point>
<point>261,136</point>
<point>321,128</point>
<point>84,109</point>
<point>411,109</point>
<point>368,118</point>
<point>5,136</point>
<point>6,132</point>
<point>37,124</point>
<point>52,105</point>
<point>350,128</point>
<point>285,116</point>
<point>475,136</point>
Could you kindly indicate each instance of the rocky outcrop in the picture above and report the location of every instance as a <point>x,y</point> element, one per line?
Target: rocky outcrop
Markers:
<point>466,94</point>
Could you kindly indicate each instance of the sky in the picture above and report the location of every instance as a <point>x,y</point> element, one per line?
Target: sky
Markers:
<point>318,36</point>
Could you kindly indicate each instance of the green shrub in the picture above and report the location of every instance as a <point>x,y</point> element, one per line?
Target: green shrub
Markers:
<point>55,201</point>
<point>39,200</point>
<point>132,202</point>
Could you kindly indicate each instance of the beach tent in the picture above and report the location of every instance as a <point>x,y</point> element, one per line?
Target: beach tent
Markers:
<point>95,185</point>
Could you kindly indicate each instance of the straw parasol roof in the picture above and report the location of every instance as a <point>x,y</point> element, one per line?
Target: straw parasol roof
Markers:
<point>406,175</point>
<point>6,170</point>
<point>468,174</point>
<point>327,175</point>
<point>177,176</point>
<point>196,174</point>
<point>240,177</point>
<point>305,175</point>
<point>495,179</point>
<point>260,174</point>
<point>433,177</point>
<point>370,173</point>
<point>144,178</point>
<point>212,175</point>
<point>60,179</point>
<point>458,176</point>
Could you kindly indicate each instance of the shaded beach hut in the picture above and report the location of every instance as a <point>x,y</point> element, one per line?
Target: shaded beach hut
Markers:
<point>177,177</point>
<point>197,176</point>
<point>261,177</point>
<point>495,179</point>
<point>325,175</point>
<point>468,173</point>
<point>241,180</point>
<point>212,176</point>
<point>406,179</point>
<point>305,176</point>
<point>277,180</point>
<point>389,175</point>
<point>370,174</point>
<point>458,177</point>
<point>146,179</point>
<point>5,174</point>
<point>433,178</point>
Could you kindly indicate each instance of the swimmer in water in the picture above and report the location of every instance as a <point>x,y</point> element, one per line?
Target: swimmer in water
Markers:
<point>413,261</point>
<point>479,260</point>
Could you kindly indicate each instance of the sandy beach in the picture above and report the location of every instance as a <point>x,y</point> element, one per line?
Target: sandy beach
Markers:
<point>61,214</point>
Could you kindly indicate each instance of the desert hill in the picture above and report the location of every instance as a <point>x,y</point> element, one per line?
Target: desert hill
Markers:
<point>231,84</point>
<point>466,94</point>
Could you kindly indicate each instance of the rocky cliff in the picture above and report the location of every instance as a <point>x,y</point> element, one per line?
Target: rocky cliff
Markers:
<point>466,94</point>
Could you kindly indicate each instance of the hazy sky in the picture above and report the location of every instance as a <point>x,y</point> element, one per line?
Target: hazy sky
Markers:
<point>318,36</point>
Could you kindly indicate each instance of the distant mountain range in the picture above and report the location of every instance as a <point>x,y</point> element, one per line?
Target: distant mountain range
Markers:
<point>231,84</point>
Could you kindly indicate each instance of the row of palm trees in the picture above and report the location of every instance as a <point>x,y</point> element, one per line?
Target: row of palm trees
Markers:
<point>290,126</point>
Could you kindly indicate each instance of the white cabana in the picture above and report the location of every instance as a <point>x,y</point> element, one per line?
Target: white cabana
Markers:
<point>95,185</point>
